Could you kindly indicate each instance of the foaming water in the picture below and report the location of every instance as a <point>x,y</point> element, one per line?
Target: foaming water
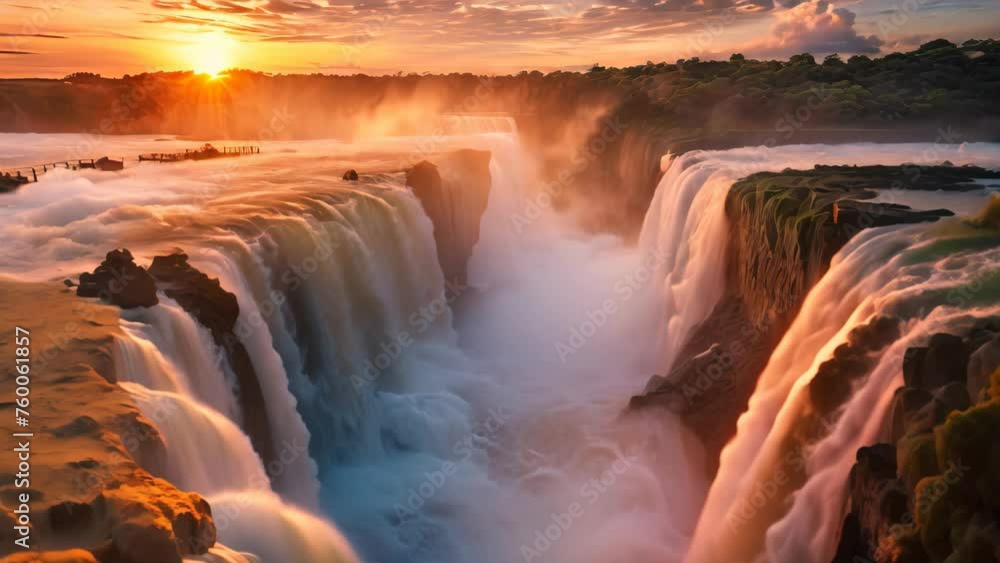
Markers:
<point>496,435</point>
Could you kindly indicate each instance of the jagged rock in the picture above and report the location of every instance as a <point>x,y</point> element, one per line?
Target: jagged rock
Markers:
<point>942,361</point>
<point>218,310</point>
<point>454,191</point>
<point>351,175</point>
<point>119,281</point>
<point>946,452</point>
<point>678,391</point>
<point>784,230</point>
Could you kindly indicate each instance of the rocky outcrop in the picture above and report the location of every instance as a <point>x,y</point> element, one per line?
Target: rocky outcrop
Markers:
<point>926,495</point>
<point>351,175</point>
<point>218,310</point>
<point>93,493</point>
<point>119,281</point>
<point>785,229</point>
<point>454,191</point>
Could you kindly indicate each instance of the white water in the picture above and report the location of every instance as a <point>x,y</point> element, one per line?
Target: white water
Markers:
<point>686,221</point>
<point>886,271</point>
<point>505,428</point>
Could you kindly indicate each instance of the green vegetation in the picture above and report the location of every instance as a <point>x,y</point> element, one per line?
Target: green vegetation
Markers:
<point>939,78</point>
<point>939,83</point>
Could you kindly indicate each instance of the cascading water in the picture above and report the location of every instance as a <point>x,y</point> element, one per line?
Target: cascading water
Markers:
<point>907,273</point>
<point>494,437</point>
<point>686,224</point>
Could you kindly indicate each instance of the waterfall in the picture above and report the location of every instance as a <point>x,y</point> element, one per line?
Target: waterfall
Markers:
<point>687,229</point>
<point>778,491</point>
<point>166,331</point>
<point>424,429</point>
<point>207,452</point>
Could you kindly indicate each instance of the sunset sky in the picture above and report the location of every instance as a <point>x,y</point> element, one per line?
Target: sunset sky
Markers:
<point>52,38</point>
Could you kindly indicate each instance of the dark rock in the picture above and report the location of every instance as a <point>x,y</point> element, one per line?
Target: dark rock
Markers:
<point>712,386</point>
<point>69,283</point>
<point>952,397</point>
<point>913,361</point>
<point>906,403</point>
<point>678,391</point>
<point>944,360</point>
<point>218,310</point>
<point>834,381</point>
<point>454,192</point>
<point>852,548</point>
<point>877,498</point>
<point>119,281</point>
<point>351,175</point>
<point>982,363</point>
<point>944,448</point>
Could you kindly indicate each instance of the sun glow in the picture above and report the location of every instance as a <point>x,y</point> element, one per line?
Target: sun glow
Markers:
<point>211,54</point>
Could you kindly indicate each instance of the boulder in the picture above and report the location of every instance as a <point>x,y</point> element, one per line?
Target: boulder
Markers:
<point>119,281</point>
<point>351,175</point>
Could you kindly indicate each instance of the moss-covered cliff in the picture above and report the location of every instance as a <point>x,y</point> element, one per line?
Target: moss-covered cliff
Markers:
<point>930,493</point>
<point>785,227</point>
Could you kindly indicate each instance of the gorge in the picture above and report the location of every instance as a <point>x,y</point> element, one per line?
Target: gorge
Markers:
<point>438,362</point>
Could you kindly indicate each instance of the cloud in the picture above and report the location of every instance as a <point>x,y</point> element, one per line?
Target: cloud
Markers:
<point>464,22</point>
<point>815,26</point>
<point>38,35</point>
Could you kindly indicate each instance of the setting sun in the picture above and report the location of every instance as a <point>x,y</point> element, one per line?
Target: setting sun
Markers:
<point>211,54</point>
